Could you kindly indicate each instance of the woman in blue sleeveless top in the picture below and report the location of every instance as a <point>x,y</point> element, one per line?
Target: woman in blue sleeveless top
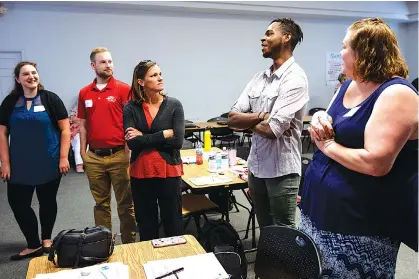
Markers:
<point>363,179</point>
<point>34,145</point>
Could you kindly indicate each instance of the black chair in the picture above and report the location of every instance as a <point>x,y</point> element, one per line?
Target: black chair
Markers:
<point>190,135</point>
<point>223,134</point>
<point>312,111</point>
<point>305,162</point>
<point>243,153</point>
<point>224,115</point>
<point>305,135</point>
<point>286,253</point>
<point>187,144</point>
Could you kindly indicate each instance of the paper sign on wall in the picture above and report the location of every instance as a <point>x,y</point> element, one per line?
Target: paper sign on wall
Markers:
<point>333,67</point>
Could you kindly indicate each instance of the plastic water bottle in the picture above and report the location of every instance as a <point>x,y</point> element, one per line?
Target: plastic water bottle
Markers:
<point>199,154</point>
<point>207,140</point>
<point>218,160</point>
<point>224,161</point>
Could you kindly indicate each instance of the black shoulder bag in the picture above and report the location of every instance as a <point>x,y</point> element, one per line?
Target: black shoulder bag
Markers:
<point>74,248</point>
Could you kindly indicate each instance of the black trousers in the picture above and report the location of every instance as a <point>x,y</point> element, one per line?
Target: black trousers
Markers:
<point>20,199</point>
<point>146,193</point>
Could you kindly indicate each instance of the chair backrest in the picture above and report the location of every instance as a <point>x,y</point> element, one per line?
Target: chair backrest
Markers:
<point>216,119</point>
<point>243,152</point>
<point>314,110</point>
<point>305,162</point>
<point>219,235</point>
<point>187,144</point>
<point>285,252</point>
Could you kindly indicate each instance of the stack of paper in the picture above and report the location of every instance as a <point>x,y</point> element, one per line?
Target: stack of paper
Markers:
<point>116,270</point>
<point>210,180</point>
<point>204,266</point>
<point>189,159</point>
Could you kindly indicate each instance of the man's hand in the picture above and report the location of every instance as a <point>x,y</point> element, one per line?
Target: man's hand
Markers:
<point>131,133</point>
<point>5,171</point>
<point>288,132</point>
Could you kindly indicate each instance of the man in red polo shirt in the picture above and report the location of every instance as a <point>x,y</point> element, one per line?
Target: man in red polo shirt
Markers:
<point>100,109</point>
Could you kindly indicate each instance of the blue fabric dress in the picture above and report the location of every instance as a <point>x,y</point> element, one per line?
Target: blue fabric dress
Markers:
<point>34,144</point>
<point>355,218</point>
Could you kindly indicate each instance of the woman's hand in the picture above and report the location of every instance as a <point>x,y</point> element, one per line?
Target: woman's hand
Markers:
<point>131,133</point>
<point>168,133</point>
<point>5,171</point>
<point>321,126</point>
<point>64,165</point>
<point>323,144</point>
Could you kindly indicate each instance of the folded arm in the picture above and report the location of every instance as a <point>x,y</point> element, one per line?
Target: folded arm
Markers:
<point>178,128</point>
<point>393,122</point>
<point>142,141</point>
<point>283,112</point>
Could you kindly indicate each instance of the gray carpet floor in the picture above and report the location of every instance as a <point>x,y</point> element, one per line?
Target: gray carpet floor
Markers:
<point>75,210</point>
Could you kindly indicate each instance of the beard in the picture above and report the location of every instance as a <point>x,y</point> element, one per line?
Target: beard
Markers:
<point>104,74</point>
<point>273,52</point>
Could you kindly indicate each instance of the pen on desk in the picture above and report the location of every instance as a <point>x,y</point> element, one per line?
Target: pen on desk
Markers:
<point>171,273</point>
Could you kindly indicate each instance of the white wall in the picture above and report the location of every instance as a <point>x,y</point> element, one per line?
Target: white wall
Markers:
<point>412,49</point>
<point>206,59</point>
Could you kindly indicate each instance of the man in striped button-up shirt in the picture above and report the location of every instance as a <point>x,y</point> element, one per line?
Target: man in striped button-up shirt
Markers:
<point>273,105</point>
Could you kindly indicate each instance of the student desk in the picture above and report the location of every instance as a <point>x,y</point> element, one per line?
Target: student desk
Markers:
<point>134,255</point>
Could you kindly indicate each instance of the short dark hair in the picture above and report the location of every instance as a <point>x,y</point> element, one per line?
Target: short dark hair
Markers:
<point>288,26</point>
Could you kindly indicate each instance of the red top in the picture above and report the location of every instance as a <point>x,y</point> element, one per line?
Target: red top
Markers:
<point>103,111</point>
<point>150,164</point>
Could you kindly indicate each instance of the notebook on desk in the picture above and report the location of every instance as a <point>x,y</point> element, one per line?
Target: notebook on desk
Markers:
<point>203,266</point>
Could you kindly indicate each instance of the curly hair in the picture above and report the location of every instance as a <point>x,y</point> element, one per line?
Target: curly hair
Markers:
<point>377,53</point>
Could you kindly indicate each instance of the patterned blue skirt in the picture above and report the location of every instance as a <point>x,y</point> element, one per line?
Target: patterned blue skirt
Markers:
<point>353,257</point>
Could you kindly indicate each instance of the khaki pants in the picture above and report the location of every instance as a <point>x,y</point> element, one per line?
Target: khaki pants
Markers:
<point>102,172</point>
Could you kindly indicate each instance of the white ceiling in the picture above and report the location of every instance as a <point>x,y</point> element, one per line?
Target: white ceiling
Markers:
<point>399,11</point>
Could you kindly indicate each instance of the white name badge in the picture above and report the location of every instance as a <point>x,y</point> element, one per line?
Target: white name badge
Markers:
<point>38,108</point>
<point>351,112</point>
<point>88,103</point>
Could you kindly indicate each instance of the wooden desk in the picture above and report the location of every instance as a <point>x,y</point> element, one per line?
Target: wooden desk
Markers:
<point>201,126</point>
<point>134,255</point>
<point>194,170</point>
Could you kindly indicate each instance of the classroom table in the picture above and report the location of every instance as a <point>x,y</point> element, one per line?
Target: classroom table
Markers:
<point>134,255</point>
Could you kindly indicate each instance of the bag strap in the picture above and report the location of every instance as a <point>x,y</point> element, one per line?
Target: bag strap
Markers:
<point>79,246</point>
<point>96,259</point>
<point>51,256</point>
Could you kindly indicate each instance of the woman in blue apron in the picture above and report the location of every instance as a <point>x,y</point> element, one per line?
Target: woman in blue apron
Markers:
<point>361,182</point>
<point>34,145</point>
